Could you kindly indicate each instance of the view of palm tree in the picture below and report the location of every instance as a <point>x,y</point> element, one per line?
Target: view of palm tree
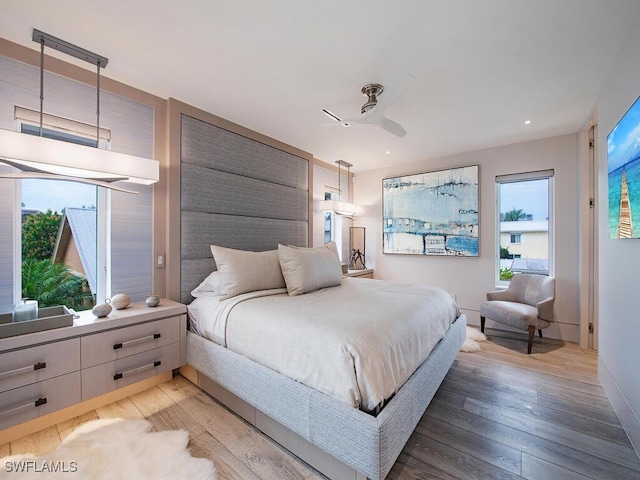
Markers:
<point>44,279</point>
<point>53,284</point>
<point>513,215</point>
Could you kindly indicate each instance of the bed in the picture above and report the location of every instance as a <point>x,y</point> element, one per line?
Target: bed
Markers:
<point>346,365</point>
<point>243,191</point>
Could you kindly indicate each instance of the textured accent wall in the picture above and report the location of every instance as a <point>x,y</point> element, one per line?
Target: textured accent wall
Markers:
<point>235,192</point>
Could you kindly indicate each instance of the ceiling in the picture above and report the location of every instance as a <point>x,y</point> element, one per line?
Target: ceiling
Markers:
<point>481,68</point>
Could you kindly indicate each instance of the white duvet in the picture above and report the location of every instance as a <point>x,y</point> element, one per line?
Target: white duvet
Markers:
<point>358,342</point>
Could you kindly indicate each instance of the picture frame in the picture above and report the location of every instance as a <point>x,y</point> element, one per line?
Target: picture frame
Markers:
<point>432,213</point>
<point>623,175</point>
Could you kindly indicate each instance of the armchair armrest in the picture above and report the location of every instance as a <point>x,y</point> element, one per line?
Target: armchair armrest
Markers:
<point>545,309</point>
<point>504,295</point>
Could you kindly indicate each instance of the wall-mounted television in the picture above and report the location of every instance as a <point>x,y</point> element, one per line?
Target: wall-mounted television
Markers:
<point>623,167</point>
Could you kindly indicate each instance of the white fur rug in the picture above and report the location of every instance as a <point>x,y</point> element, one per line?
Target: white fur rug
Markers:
<point>471,342</point>
<point>114,449</point>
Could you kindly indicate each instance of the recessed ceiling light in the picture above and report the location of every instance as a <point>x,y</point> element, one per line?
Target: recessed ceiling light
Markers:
<point>388,152</point>
<point>527,122</point>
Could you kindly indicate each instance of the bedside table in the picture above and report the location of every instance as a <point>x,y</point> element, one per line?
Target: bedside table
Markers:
<point>366,273</point>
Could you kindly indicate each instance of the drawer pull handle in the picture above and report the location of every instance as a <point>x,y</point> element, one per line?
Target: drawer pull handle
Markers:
<point>23,407</point>
<point>155,364</point>
<point>155,336</point>
<point>28,368</point>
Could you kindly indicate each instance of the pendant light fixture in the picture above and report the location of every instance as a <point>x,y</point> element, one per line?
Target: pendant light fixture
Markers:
<point>46,158</point>
<point>339,207</point>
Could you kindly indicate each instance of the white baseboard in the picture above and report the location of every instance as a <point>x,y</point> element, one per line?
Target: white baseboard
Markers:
<point>559,331</point>
<point>628,418</point>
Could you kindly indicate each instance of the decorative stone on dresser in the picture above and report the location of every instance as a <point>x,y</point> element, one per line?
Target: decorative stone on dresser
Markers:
<point>44,373</point>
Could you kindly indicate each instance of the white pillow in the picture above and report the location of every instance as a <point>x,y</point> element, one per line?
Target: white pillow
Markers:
<point>209,286</point>
<point>309,269</point>
<point>242,271</point>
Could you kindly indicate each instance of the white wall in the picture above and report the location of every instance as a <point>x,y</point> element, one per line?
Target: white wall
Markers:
<point>619,260</point>
<point>470,278</point>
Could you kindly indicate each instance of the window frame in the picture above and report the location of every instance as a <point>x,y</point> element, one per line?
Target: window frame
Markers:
<point>523,177</point>
<point>332,193</point>
<point>103,214</point>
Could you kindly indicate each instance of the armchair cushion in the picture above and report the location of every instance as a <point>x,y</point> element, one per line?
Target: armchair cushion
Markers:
<point>514,314</point>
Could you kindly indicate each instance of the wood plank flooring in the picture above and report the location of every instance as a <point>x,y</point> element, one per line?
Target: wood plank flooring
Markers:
<point>499,414</point>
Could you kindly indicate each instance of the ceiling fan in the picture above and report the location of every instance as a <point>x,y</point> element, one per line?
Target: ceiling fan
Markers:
<point>372,112</point>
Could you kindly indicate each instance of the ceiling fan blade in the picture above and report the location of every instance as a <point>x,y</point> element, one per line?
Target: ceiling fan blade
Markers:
<point>393,127</point>
<point>383,122</point>
<point>391,94</point>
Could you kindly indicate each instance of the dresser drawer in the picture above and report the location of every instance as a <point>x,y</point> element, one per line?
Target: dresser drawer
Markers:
<point>123,342</point>
<point>125,371</point>
<point>32,401</point>
<point>30,365</point>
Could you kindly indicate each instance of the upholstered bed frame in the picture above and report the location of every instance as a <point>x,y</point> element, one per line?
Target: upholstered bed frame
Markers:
<point>241,193</point>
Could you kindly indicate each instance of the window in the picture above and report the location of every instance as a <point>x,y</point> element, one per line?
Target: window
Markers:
<point>59,241</point>
<point>329,218</point>
<point>524,210</point>
<point>332,222</point>
<point>76,244</point>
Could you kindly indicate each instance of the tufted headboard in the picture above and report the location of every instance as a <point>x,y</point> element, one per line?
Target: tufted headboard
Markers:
<point>236,192</point>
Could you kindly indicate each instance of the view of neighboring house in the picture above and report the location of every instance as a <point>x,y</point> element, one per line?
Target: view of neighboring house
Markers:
<point>528,246</point>
<point>76,243</point>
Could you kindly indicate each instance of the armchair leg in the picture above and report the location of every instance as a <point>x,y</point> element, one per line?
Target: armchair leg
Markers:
<point>540,333</point>
<point>532,332</point>
<point>482,319</point>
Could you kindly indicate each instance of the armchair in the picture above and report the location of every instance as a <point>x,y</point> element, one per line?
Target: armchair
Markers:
<point>526,304</point>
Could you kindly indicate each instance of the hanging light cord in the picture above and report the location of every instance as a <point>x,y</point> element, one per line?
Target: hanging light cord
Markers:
<point>65,47</point>
<point>41,82</point>
<point>98,105</point>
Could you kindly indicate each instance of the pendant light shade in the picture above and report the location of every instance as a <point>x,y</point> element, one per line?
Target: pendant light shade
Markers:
<point>33,154</point>
<point>342,208</point>
<point>339,207</point>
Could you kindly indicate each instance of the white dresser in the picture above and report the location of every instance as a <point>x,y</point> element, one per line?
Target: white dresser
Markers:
<point>45,372</point>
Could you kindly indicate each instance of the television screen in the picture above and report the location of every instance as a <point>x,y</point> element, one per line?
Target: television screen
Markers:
<point>623,167</point>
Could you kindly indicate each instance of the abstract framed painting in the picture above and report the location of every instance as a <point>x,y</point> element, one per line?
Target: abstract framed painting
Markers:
<point>432,213</point>
<point>623,168</point>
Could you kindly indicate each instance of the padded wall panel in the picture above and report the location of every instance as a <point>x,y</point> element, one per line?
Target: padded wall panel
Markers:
<point>236,192</point>
<point>230,194</point>
<point>200,230</point>
<point>216,148</point>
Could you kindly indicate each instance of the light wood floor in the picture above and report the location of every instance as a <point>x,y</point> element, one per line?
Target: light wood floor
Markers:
<point>499,414</point>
